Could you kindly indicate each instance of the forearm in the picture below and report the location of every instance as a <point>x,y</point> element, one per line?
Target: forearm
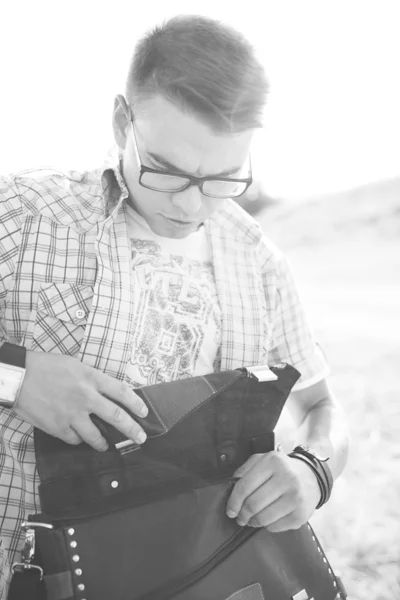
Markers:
<point>324,429</point>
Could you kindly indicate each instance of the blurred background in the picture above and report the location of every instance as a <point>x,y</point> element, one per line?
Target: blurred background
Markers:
<point>327,191</point>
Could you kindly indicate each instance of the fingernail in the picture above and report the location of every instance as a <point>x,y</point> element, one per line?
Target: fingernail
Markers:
<point>144,412</point>
<point>142,437</point>
<point>240,522</point>
<point>231,514</point>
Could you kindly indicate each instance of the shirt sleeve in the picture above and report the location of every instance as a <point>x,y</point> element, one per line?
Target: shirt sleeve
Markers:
<point>10,236</point>
<point>292,339</point>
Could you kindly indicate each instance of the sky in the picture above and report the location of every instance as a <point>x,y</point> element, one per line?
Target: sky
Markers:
<point>333,115</point>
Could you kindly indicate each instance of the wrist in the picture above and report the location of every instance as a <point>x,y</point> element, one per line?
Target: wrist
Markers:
<point>318,465</point>
<point>12,373</point>
<point>310,482</point>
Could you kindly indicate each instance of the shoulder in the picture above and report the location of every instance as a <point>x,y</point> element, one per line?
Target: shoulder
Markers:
<point>235,223</point>
<point>10,229</point>
<point>69,197</point>
<point>10,205</point>
<point>8,191</point>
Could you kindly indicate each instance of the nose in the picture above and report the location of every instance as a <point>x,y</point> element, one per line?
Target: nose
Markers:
<point>188,201</point>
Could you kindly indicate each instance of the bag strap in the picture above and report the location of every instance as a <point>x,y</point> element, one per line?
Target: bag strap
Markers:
<point>27,577</point>
<point>27,584</point>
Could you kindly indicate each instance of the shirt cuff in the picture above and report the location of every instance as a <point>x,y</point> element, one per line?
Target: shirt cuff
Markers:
<point>313,370</point>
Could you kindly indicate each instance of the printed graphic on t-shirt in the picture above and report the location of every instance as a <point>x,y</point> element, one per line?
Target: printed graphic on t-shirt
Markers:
<point>176,329</point>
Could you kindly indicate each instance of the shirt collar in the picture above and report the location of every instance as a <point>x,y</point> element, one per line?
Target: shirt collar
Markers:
<point>112,183</point>
<point>236,224</point>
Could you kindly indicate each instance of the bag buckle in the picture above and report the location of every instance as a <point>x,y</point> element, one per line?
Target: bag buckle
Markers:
<point>28,550</point>
<point>261,372</point>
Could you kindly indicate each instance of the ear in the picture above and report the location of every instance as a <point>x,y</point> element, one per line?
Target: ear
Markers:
<point>120,121</point>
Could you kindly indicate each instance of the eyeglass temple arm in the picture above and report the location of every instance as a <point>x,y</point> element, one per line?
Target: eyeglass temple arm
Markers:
<point>135,146</point>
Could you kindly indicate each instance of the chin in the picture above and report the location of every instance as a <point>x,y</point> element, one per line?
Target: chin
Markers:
<point>169,230</point>
<point>164,232</point>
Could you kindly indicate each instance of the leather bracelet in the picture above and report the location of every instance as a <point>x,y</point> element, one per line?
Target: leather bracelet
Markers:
<point>321,484</point>
<point>321,471</point>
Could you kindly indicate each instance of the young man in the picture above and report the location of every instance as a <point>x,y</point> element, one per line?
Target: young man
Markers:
<point>147,271</point>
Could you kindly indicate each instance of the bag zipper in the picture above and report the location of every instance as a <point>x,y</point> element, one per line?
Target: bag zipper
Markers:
<point>169,592</point>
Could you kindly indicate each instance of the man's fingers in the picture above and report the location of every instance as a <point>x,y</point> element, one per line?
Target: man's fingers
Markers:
<point>116,416</point>
<point>71,437</point>
<point>249,464</point>
<point>132,401</point>
<point>90,434</point>
<point>280,508</point>
<point>120,391</point>
<point>255,477</point>
<point>257,473</point>
<point>262,499</point>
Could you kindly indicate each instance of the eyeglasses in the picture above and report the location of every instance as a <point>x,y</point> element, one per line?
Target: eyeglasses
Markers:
<point>173,182</point>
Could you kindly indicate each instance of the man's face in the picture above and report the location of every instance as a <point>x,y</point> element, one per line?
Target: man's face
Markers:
<point>167,136</point>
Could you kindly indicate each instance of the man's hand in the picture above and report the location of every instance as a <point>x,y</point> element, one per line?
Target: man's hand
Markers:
<point>60,392</point>
<point>274,491</point>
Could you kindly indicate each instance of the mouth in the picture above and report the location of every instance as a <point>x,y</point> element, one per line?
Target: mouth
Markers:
<point>179,222</point>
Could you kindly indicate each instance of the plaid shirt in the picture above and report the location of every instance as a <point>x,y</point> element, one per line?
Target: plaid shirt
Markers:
<point>65,287</point>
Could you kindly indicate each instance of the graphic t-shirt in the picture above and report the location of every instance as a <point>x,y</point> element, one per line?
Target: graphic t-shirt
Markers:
<point>177,318</point>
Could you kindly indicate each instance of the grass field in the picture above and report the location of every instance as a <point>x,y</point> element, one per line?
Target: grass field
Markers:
<point>348,271</point>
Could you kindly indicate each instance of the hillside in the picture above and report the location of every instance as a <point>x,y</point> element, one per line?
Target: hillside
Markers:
<point>352,236</point>
<point>372,208</point>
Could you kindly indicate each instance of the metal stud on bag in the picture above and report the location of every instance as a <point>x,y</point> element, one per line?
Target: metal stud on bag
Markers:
<point>76,558</point>
<point>341,594</point>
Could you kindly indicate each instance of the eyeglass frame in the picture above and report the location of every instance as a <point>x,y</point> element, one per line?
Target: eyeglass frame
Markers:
<point>197,181</point>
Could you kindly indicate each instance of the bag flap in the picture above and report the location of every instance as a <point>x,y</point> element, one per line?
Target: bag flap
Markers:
<point>203,428</point>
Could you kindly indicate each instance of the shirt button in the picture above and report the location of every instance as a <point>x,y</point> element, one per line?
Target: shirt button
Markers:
<point>80,313</point>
